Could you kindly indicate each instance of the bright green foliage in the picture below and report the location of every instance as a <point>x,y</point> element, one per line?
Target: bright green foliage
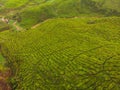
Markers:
<point>66,54</point>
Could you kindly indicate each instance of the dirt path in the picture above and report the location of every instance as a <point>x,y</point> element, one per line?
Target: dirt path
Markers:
<point>14,24</point>
<point>3,80</point>
<point>18,28</point>
<point>35,26</point>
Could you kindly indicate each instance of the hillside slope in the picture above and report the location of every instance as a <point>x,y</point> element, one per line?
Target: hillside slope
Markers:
<point>66,54</point>
<point>32,12</point>
<point>69,8</point>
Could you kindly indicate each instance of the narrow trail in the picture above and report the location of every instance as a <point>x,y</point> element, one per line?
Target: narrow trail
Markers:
<point>35,26</point>
<point>18,28</point>
<point>38,24</point>
<point>14,24</point>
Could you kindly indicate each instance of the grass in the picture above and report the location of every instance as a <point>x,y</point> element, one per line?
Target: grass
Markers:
<point>64,54</point>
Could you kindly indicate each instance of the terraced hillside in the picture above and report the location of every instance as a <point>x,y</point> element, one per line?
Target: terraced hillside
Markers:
<point>66,54</point>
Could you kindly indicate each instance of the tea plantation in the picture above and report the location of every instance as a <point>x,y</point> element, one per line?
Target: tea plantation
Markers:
<point>66,54</point>
<point>60,44</point>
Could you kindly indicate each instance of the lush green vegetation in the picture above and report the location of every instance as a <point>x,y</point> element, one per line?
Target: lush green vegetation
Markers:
<point>70,8</point>
<point>76,53</point>
<point>61,44</point>
<point>36,11</point>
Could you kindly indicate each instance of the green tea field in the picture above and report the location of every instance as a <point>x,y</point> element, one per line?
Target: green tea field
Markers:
<point>66,54</point>
<point>59,45</point>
